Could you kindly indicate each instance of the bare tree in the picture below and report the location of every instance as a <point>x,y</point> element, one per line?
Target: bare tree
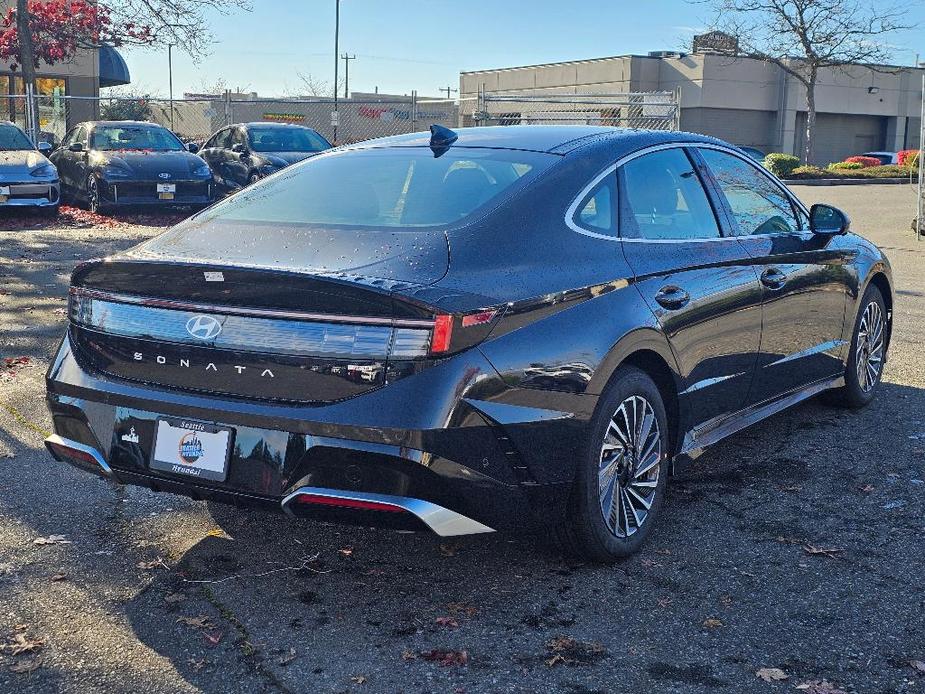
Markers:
<point>309,85</point>
<point>803,37</point>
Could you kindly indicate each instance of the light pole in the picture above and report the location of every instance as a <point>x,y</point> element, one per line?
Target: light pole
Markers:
<point>170,80</point>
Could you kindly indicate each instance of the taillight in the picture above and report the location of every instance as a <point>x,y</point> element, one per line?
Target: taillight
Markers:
<point>470,329</point>
<point>443,334</point>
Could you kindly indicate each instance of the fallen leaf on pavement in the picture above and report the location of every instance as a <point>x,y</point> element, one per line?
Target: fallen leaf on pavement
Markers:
<point>446,658</point>
<point>288,657</point>
<point>447,622</point>
<point>918,666</point>
<point>663,602</point>
<point>22,644</point>
<point>153,564</point>
<point>25,666</point>
<point>213,638</point>
<point>830,552</point>
<point>174,598</point>
<point>771,674</point>
<point>358,679</point>
<point>196,664</point>
<point>408,654</point>
<point>52,540</point>
<point>448,550</point>
<point>569,651</point>
<point>712,623</point>
<point>867,488</point>
<point>462,608</point>
<point>59,577</point>
<point>820,687</point>
<point>346,552</point>
<point>200,622</point>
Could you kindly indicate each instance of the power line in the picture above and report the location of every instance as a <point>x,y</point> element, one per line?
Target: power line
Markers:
<point>449,90</point>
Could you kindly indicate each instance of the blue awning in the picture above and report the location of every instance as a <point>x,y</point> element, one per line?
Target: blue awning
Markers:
<point>113,70</point>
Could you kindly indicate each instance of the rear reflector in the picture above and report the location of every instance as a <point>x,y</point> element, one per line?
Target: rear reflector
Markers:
<point>347,503</point>
<point>443,334</point>
<point>77,454</point>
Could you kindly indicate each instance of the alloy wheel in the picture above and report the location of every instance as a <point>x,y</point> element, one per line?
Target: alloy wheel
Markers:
<point>630,465</point>
<point>869,348</point>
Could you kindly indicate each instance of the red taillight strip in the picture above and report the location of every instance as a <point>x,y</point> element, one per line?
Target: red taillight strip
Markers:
<point>480,318</point>
<point>347,503</point>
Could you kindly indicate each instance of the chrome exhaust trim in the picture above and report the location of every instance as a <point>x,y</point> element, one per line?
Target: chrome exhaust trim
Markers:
<point>440,520</point>
<point>87,456</point>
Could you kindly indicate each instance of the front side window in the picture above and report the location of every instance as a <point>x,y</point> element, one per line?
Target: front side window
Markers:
<point>135,137</point>
<point>596,212</point>
<point>286,139</point>
<point>400,187</point>
<point>663,199</point>
<point>758,205</point>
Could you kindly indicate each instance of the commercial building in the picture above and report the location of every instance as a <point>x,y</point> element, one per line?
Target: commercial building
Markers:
<point>742,100</point>
<point>81,76</point>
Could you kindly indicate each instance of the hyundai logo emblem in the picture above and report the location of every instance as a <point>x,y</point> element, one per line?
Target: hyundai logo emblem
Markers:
<point>203,327</point>
<point>163,175</point>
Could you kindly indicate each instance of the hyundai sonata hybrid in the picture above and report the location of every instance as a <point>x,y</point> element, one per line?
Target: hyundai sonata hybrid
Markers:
<point>495,329</point>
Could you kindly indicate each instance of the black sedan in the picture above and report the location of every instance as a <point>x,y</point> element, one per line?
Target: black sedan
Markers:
<point>107,164</point>
<point>496,329</point>
<point>243,154</point>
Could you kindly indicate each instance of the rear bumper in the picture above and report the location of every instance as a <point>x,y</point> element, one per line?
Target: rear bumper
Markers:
<point>447,462</point>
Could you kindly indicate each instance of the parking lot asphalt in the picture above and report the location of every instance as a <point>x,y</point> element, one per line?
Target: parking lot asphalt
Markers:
<point>791,557</point>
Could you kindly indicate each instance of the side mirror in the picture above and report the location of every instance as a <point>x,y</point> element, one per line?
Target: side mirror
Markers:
<point>192,147</point>
<point>45,147</point>
<point>238,148</point>
<point>828,220</point>
<point>76,147</point>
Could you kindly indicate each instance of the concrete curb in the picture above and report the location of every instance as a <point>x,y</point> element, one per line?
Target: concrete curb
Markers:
<point>848,181</point>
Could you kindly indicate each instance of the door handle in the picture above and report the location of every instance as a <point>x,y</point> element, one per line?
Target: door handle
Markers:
<point>772,278</point>
<point>672,297</point>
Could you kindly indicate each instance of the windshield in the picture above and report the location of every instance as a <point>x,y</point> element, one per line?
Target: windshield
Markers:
<point>12,138</point>
<point>286,140</point>
<point>397,187</point>
<point>134,137</point>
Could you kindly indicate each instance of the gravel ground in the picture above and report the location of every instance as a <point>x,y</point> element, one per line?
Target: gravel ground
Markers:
<point>796,545</point>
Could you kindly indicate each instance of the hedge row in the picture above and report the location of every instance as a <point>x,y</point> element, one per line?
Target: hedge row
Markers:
<point>789,167</point>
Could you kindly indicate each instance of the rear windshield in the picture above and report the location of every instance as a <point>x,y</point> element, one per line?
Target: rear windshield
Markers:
<point>286,139</point>
<point>397,187</point>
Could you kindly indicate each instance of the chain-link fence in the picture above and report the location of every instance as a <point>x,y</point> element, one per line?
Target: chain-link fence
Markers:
<point>349,120</point>
<point>195,119</point>
<point>651,110</point>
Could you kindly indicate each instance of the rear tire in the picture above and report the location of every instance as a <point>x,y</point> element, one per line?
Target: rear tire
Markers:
<point>867,355</point>
<point>620,482</point>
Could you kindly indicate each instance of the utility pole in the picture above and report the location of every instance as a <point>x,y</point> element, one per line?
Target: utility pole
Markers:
<point>449,90</point>
<point>334,116</point>
<point>170,79</point>
<point>347,58</point>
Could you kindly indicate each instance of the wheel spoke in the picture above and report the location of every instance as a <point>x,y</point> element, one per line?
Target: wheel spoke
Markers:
<point>645,504</point>
<point>647,464</point>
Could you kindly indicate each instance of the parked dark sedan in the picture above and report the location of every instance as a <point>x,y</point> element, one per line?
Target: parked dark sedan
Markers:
<point>243,154</point>
<point>508,327</point>
<point>107,164</point>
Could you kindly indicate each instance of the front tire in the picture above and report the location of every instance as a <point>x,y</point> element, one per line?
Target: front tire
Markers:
<point>867,354</point>
<point>94,201</point>
<point>620,482</point>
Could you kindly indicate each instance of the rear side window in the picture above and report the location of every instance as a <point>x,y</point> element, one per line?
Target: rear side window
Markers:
<point>758,204</point>
<point>663,198</point>
<point>400,187</point>
<point>596,212</point>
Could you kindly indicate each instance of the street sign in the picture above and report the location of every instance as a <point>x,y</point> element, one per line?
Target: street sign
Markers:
<point>335,119</point>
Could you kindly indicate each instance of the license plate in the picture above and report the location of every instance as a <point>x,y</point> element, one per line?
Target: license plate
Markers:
<point>166,187</point>
<point>165,196</point>
<point>196,449</point>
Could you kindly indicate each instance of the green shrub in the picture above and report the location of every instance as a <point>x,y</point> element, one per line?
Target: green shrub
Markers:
<point>781,165</point>
<point>846,166</point>
<point>911,161</point>
<point>807,171</point>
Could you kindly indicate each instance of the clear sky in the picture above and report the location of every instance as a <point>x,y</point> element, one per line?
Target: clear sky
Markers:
<point>403,45</point>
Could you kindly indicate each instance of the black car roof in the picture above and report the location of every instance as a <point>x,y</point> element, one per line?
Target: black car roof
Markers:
<point>557,139</point>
